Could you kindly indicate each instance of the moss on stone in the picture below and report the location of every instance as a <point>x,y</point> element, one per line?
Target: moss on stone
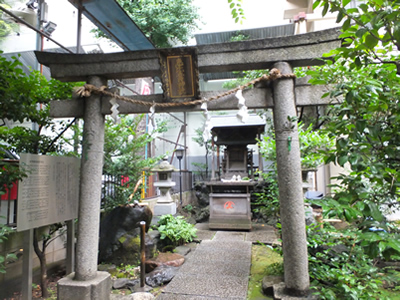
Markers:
<point>261,257</point>
<point>134,243</point>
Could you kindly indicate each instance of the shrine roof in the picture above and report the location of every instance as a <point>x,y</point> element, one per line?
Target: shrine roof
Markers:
<point>233,121</point>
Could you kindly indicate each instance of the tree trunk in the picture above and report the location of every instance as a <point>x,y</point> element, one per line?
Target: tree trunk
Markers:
<point>43,263</point>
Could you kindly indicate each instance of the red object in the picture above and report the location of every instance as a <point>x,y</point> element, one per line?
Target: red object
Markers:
<point>13,193</point>
<point>229,205</point>
<point>146,90</point>
<point>124,179</point>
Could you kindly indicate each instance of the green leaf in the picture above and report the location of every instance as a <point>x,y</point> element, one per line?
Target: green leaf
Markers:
<point>394,244</point>
<point>342,160</point>
<point>340,17</point>
<point>351,95</point>
<point>353,159</point>
<point>325,9</point>
<point>371,41</point>
<point>345,2</point>
<point>360,33</point>
<point>375,212</point>
<point>396,34</point>
<point>364,7</point>
<point>346,24</point>
<point>11,256</point>
<point>316,4</point>
<point>357,61</point>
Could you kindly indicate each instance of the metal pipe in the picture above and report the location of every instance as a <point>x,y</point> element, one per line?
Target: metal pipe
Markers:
<point>39,38</point>
<point>142,252</point>
<point>19,20</point>
<point>180,181</point>
<point>79,29</point>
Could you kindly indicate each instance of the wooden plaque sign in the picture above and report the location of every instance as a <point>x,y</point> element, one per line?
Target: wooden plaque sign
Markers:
<point>179,74</point>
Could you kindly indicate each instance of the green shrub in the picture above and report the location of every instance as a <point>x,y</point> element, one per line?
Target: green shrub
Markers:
<point>128,271</point>
<point>313,145</point>
<point>176,231</point>
<point>266,202</point>
<point>4,231</point>
<point>340,268</point>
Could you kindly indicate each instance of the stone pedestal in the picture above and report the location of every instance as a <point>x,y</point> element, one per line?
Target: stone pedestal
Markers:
<point>161,209</point>
<point>98,288</point>
<point>230,211</point>
<point>165,188</point>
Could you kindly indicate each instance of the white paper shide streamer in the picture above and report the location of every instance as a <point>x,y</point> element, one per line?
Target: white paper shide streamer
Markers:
<point>115,111</point>
<point>242,114</point>
<point>207,123</point>
<point>152,118</point>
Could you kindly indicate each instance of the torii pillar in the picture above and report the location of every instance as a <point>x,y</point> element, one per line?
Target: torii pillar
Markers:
<point>87,282</point>
<point>295,257</point>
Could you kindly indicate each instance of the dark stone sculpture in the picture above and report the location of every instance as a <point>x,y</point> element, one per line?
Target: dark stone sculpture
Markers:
<point>120,234</point>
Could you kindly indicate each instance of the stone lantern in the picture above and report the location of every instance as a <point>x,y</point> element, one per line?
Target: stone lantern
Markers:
<point>165,204</point>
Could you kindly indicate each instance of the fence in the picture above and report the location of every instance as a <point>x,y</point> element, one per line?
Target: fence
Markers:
<point>187,181</point>
<point>109,190</point>
<point>112,183</point>
<point>202,176</point>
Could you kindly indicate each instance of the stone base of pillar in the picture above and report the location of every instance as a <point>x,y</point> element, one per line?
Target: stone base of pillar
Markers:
<point>161,209</point>
<point>281,293</point>
<point>98,288</point>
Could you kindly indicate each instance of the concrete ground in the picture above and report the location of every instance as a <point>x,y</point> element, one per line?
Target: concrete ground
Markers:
<point>219,268</point>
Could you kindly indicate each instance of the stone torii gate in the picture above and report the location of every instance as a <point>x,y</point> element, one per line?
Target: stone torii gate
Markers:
<point>282,95</point>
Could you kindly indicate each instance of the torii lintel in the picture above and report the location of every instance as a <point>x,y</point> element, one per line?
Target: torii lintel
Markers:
<point>298,50</point>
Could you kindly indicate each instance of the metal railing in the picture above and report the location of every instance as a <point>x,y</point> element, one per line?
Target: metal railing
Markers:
<point>111,183</point>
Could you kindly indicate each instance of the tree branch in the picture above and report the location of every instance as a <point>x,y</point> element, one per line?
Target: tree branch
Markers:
<point>58,136</point>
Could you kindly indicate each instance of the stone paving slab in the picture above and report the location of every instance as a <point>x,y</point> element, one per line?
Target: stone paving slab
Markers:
<point>263,227</point>
<point>203,226</point>
<point>228,245</point>
<point>190,297</point>
<point>265,237</point>
<point>217,267</point>
<point>204,255</point>
<point>204,235</point>
<point>223,287</point>
<point>229,235</point>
